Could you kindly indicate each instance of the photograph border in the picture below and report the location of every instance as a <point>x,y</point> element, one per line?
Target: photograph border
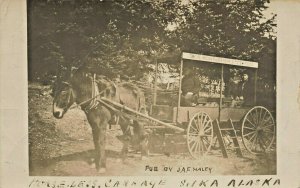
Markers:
<point>14,107</point>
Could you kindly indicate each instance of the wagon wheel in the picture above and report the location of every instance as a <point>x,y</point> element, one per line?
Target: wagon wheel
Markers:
<point>199,135</point>
<point>258,130</point>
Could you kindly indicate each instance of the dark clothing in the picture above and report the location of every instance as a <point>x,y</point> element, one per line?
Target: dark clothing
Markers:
<point>189,84</point>
<point>232,89</point>
<point>247,92</point>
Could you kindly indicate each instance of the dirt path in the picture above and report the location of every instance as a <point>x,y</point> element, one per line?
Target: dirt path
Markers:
<point>65,148</point>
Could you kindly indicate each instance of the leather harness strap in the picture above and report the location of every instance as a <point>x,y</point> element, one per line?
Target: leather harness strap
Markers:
<point>95,96</point>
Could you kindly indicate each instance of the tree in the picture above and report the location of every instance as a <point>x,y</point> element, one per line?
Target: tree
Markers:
<point>229,29</point>
<point>113,37</point>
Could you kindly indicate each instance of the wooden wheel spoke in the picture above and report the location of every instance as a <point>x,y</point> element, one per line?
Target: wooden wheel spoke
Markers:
<point>197,149</point>
<point>195,124</point>
<point>260,114</point>
<point>192,138</point>
<point>267,126</point>
<point>258,129</point>
<point>199,121</point>
<point>254,141</point>
<point>248,134</point>
<point>263,143</point>
<point>267,120</point>
<point>208,129</point>
<point>255,120</point>
<point>204,121</point>
<point>258,140</point>
<point>266,112</point>
<point>267,139</point>
<point>193,134</point>
<point>205,140</point>
<point>196,127</point>
<point>207,124</point>
<point>251,117</point>
<point>200,147</point>
<point>199,135</point>
<point>252,137</point>
<point>249,128</point>
<point>269,132</point>
<point>194,145</point>
<point>262,118</point>
<point>205,145</point>
<point>256,115</point>
<point>251,123</point>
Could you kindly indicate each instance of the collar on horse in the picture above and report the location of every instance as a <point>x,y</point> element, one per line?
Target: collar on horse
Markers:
<point>94,100</point>
<point>95,95</point>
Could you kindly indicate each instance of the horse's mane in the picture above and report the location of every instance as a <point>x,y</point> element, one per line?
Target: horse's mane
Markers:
<point>83,79</point>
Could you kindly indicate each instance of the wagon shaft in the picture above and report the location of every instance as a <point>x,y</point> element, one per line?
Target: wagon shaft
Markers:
<point>115,105</point>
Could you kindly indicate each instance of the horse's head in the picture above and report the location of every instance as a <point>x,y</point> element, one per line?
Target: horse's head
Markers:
<point>63,99</point>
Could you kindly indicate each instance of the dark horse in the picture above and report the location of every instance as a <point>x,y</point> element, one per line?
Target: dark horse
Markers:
<point>80,88</point>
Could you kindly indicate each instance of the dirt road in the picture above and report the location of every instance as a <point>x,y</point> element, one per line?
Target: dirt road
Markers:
<point>65,148</point>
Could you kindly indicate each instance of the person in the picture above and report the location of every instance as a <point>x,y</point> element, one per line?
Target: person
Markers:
<point>246,90</point>
<point>232,85</point>
<point>189,87</point>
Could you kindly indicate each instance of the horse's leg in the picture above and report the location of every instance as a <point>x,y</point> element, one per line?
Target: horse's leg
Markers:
<point>99,137</point>
<point>102,138</point>
<point>98,128</point>
<point>96,137</point>
<point>125,126</point>
<point>140,132</point>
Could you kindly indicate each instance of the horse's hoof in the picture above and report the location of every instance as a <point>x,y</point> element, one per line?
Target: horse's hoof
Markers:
<point>101,170</point>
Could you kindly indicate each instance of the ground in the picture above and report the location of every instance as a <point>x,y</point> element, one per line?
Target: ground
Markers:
<point>65,148</point>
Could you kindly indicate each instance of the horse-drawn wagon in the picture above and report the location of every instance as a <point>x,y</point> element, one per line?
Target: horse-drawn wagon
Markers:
<point>202,123</point>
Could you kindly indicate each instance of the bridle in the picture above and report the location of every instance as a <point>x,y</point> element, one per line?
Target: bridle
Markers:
<point>70,94</point>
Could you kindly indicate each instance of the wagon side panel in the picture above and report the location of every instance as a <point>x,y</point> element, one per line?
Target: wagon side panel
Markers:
<point>186,113</point>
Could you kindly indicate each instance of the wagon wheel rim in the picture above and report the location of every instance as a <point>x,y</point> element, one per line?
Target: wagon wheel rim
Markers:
<point>258,130</point>
<point>199,135</point>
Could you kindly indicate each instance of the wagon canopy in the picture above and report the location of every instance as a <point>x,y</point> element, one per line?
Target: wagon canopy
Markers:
<point>219,60</point>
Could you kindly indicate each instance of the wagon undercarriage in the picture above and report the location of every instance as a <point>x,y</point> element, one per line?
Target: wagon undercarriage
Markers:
<point>255,130</point>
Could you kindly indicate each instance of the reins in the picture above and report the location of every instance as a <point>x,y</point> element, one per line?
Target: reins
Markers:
<point>88,100</point>
<point>95,94</point>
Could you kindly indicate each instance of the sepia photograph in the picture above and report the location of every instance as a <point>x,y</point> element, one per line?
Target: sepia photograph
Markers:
<point>152,88</point>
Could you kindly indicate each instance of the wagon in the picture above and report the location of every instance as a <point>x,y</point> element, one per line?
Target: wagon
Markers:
<point>254,126</point>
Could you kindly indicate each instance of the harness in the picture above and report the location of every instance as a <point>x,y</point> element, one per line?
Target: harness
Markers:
<point>94,100</point>
<point>70,95</point>
<point>95,95</point>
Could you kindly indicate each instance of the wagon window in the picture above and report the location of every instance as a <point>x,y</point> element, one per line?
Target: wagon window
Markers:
<point>203,85</point>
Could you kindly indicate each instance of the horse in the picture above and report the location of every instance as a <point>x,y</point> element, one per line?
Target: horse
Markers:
<point>86,91</point>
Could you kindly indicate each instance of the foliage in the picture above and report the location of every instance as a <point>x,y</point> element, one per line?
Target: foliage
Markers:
<point>117,37</point>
